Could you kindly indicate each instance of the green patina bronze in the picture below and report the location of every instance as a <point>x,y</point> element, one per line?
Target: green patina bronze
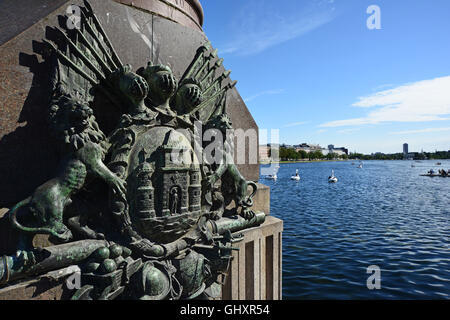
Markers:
<point>135,204</point>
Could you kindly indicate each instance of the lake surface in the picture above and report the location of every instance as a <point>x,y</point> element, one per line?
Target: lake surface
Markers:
<point>384,214</point>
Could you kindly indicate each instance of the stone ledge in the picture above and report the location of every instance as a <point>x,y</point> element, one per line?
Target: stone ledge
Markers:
<point>51,286</point>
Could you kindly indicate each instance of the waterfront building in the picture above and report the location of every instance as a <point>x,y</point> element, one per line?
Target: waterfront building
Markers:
<point>264,153</point>
<point>332,149</point>
<point>307,147</point>
<point>340,151</point>
<point>267,152</point>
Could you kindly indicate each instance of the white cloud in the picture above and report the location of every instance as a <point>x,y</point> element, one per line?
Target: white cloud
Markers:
<point>295,124</point>
<point>348,131</point>
<point>422,101</point>
<point>263,93</point>
<point>261,24</point>
<point>427,130</point>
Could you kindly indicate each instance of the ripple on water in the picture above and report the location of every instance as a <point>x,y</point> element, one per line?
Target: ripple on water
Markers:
<point>384,214</point>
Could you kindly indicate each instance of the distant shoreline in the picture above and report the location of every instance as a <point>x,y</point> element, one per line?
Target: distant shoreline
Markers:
<point>304,161</point>
<point>341,160</point>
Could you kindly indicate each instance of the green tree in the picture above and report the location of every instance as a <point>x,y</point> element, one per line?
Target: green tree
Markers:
<point>292,154</point>
<point>316,155</point>
<point>303,154</point>
<point>283,153</point>
<point>331,156</point>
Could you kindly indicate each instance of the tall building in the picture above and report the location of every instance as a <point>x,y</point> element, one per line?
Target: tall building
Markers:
<point>405,149</point>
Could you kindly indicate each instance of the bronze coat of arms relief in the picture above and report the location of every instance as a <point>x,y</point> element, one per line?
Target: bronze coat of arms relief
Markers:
<point>135,203</point>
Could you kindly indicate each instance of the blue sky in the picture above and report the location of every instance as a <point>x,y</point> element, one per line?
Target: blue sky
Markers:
<point>313,70</point>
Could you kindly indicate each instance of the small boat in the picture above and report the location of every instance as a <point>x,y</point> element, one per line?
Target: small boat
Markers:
<point>434,175</point>
<point>441,173</point>
<point>296,177</point>
<point>332,178</point>
<point>360,166</point>
<point>438,163</point>
<point>271,177</point>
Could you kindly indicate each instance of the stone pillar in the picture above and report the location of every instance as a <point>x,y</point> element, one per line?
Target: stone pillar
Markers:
<point>256,270</point>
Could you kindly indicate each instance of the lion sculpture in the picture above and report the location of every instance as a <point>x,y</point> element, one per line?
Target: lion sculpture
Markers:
<point>83,144</point>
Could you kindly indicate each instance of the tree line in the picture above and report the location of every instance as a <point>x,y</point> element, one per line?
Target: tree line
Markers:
<point>290,154</point>
<point>438,155</point>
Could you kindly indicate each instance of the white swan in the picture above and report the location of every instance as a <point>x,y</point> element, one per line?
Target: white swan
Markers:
<point>332,178</point>
<point>271,177</point>
<point>296,177</point>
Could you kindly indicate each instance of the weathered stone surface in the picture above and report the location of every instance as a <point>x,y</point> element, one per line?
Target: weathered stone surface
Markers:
<point>188,13</point>
<point>51,286</point>
<point>15,17</point>
<point>23,134</point>
<point>261,201</point>
<point>24,88</point>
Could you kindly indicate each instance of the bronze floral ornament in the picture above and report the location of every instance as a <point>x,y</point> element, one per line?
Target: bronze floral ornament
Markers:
<point>135,204</point>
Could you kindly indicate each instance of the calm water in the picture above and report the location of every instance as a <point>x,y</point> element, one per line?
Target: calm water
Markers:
<point>384,214</point>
